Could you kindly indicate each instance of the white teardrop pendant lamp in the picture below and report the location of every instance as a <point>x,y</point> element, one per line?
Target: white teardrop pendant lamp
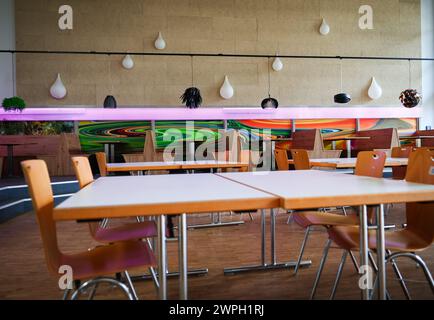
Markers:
<point>160,44</point>
<point>128,62</point>
<point>58,90</point>
<point>277,64</point>
<point>375,91</point>
<point>325,28</point>
<point>226,90</point>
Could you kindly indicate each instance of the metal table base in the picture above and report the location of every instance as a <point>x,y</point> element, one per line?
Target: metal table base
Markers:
<point>216,223</point>
<point>274,265</point>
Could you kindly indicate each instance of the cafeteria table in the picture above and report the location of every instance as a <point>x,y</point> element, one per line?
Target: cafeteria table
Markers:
<point>131,196</point>
<point>109,148</point>
<point>350,163</point>
<point>306,189</point>
<point>176,165</point>
<point>10,157</point>
<point>190,166</point>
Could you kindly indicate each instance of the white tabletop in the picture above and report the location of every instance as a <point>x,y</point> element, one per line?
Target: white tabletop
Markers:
<point>160,194</point>
<point>351,162</point>
<point>316,189</point>
<point>161,165</point>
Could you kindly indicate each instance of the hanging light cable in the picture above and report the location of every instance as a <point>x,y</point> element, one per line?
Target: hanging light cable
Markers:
<point>410,98</point>
<point>191,96</point>
<point>269,102</point>
<point>110,101</point>
<point>342,97</point>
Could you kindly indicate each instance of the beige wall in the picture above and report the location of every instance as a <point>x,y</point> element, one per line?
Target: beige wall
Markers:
<point>211,26</point>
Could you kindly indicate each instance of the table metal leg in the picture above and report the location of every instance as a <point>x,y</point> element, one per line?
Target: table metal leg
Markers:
<point>183,262</point>
<point>348,148</point>
<point>364,262</point>
<point>215,223</point>
<point>162,258</point>
<point>381,253</point>
<point>274,264</point>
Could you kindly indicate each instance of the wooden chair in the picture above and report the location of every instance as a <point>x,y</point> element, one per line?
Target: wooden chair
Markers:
<point>398,173</point>
<point>281,157</point>
<point>301,159</point>
<point>417,236</point>
<point>369,164</point>
<point>88,264</point>
<point>101,159</point>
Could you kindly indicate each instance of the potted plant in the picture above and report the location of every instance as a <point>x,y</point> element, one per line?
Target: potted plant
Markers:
<point>13,127</point>
<point>13,104</point>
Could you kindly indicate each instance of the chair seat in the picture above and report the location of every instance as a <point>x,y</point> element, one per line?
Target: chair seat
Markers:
<point>110,259</point>
<point>128,231</point>
<point>315,218</point>
<point>403,240</point>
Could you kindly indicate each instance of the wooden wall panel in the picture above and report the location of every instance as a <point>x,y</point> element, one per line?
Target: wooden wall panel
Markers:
<point>228,26</point>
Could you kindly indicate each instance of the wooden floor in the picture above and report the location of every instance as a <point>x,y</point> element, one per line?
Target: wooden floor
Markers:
<point>24,275</point>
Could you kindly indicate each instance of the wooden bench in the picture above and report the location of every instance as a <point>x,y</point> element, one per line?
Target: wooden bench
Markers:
<point>380,139</point>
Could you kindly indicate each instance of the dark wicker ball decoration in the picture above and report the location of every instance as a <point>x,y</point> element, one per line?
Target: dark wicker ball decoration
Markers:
<point>410,98</point>
<point>192,98</point>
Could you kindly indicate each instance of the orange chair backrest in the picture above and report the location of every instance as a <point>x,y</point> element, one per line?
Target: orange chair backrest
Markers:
<point>301,159</point>
<point>38,181</point>
<point>370,164</point>
<point>401,152</point>
<point>102,163</point>
<point>281,159</point>
<point>82,170</point>
<point>398,173</point>
<point>420,215</point>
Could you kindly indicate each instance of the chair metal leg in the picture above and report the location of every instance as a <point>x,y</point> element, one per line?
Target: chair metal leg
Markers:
<point>353,259</point>
<point>251,216</point>
<point>66,294</point>
<point>339,274</point>
<point>290,216</point>
<point>345,211</point>
<point>400,277</point>
<point>321,267</point>
<point>92,292</point>
<point>303,246</point>
<point>130,285</point>
<point>372,260</point>
<point>420,262</point>
<point>111,281</point>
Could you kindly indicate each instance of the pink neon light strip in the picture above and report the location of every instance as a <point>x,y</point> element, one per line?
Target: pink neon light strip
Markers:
<point>176,113</point>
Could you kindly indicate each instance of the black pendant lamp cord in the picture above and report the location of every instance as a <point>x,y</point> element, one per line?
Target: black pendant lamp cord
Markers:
<point>269,78</point>
<point>409,74</point>
<point>342,90</point>
<point>192,71</point>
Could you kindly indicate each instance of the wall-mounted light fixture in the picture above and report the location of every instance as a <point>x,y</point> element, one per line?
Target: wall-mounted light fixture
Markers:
<point>58,90</point>
<point>226,90</point>
<point>160,44</point>
<point>277,64</point>
<point>375,91</point>
<point>325,28</point>
<point>128,62</point>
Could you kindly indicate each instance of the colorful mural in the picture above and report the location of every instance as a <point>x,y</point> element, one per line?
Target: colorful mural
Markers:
<point>133,132</point>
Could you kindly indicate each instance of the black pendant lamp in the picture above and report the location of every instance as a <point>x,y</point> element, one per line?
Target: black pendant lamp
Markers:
<point>342,97</point>
<point>110,102</point>
<point>269,103</point>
